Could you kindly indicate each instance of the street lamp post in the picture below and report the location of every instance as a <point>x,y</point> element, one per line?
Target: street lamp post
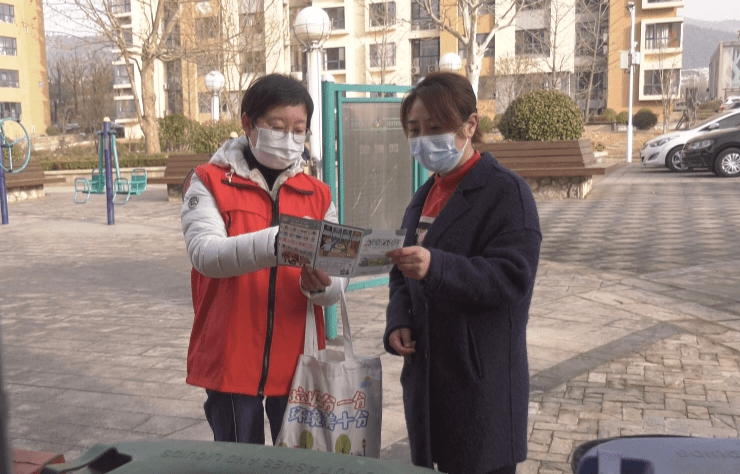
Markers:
<point>450,62</point>
<point>312,27</point>
<point>214,83</point>
<point>631,9</point>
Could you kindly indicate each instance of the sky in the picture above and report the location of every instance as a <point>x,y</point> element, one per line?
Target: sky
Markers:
<point>712,10</point>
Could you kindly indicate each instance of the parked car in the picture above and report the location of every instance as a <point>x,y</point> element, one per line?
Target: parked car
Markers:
<point>731,103</point>
<point>665,150</point>
<point>719,151</point>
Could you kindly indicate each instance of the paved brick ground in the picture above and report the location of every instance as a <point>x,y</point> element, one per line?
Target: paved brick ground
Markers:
<point>634,327</point>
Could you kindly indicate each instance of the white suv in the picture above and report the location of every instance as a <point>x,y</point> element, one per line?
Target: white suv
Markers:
<point>665,150</point>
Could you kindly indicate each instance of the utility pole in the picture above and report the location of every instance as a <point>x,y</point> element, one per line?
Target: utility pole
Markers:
<point>631,65</point>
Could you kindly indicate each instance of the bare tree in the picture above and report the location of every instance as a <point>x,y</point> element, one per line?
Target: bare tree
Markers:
<point>247,37</point>
<point>139,48</point>
<point>383,24</point>
<point>515,75</point>
<point>560,14</point>
<point>81,80</point>
<point>460,19</point>
<point>592,40</point>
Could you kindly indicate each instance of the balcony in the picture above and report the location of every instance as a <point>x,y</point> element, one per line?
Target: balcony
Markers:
<point>655,4</point>
<point>663,36</point>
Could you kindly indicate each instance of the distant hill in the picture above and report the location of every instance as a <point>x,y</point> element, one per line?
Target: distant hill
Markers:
<point>699,42</point>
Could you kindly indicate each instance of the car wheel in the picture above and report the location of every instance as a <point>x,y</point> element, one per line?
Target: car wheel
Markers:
<point>673,160</point>
<point>727,163</point>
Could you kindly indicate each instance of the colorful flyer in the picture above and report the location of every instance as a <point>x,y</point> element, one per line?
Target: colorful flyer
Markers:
<point>338,250</point>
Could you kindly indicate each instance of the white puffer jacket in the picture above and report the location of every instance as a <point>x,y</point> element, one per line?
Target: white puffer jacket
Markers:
<point>216,255</point>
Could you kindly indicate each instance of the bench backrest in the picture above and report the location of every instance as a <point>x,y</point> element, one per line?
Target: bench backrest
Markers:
<point>31,173</point>
<point>542,154</point>
<point>180,165</point>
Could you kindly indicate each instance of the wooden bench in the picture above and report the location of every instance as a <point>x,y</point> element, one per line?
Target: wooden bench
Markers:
<point>571,162</point>
<point>31,177</point>
<point>176,170</point>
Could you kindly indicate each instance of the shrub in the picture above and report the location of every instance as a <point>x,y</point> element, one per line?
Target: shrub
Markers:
<point>51,130</point>
<point>497,120</point>
<point>644,119</point>
<point>207,137</point>
<point>485,124</point>
<point>542,115</point>
<point>609,115</point>
<point>174,132</point>
<point>623,117</point>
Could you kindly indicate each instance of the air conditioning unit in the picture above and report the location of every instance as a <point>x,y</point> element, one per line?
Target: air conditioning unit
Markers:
<point>414,70</point>
<point>415,62</point>
<point>432,68</point>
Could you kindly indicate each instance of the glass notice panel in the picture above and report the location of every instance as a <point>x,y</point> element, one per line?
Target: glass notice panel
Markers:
<point>378,177</point>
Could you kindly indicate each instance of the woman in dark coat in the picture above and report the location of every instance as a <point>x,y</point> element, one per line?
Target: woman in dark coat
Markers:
<point>460,291</point>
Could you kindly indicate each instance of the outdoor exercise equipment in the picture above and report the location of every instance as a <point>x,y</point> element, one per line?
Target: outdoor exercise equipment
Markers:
<point>13,141</point>
<point>100,181</point>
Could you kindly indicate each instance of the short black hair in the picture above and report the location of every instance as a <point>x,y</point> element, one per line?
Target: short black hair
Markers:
<point>275,90</point>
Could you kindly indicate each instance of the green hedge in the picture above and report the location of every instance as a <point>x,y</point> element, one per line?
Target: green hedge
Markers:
<point>88,163</point>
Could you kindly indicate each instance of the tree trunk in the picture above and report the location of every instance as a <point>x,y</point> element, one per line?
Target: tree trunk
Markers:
<point>149,124</point>
<point>472,69</point>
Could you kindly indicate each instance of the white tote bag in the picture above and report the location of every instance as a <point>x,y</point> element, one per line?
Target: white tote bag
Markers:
<point>336,399</point>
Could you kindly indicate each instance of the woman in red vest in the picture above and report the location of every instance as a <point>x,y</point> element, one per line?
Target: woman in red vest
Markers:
<point>250,314</point>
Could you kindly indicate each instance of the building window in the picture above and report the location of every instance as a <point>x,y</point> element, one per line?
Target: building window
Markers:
<point>125,109</point>
<point>735,67</point>
<point>525,5</point>
<point>206,28</point>
<point>9,78</point>
<point>10,109</point>
<point>532,43</point>
<point>487,7</point>
<point>424,57</point>
<point>127,36</point>
<point>204,102</point>
<point>663,35</point>
<point>7,13</point>
<point>420,18</point>
<point>656,79</point>
<point>336,15</point>
<point>8,46</point>
<point>383,14</point>
<point>254,61</point>
<point>120,75</point>
<point>382,55</point>
<point>334,59</point>
<point>488,53</point>
<point>298,59</point>
<point>121,6</point>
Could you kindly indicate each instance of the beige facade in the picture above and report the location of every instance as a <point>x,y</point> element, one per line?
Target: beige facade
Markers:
<point>659,40</point>
<point>396,42</point>
<point>24,83</point>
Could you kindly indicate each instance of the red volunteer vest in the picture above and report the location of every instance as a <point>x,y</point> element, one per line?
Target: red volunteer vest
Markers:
<point>248,331</point>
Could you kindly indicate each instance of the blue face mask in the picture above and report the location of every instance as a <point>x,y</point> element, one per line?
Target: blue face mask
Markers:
<point>437,153</point>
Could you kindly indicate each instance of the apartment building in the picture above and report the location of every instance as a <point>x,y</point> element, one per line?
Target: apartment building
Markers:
<point>570,45</point>
<point>24,85</point>
<point>724,71</point>
<point>659,40</point>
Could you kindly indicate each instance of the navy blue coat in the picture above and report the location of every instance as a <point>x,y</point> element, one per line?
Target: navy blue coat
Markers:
<point>469,322</point>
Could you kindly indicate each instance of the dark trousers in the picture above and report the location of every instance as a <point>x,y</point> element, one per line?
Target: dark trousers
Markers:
<point>241,418</point>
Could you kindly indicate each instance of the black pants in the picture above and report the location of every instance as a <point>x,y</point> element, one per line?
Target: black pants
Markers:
<point>241,418</point>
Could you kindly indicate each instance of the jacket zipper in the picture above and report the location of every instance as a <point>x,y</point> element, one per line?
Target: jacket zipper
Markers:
<point>270,306</point>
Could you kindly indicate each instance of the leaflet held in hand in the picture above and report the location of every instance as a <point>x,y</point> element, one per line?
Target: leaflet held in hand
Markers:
<point>338,250</point>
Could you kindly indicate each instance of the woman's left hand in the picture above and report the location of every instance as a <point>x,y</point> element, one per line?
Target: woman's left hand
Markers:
<point>412,261</point>
<point>314,280</point>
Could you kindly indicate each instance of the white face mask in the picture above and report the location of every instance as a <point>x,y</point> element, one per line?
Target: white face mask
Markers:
<point>437,153</point>
<point>275,153</point>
